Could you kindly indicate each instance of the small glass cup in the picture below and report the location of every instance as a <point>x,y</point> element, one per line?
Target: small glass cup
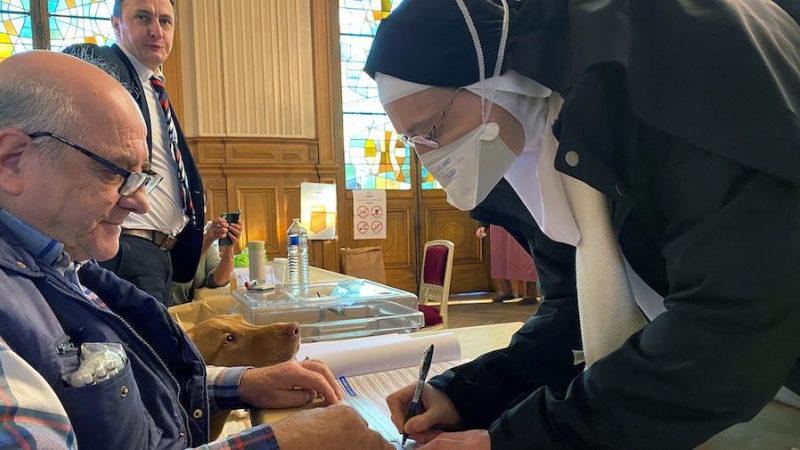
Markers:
<point>234,283</point>
<point>278,267</point>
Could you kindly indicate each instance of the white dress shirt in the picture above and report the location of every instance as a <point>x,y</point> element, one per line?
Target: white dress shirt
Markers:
<point>166,204</point>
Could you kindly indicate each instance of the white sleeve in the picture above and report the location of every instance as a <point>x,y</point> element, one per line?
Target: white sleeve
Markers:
<point>33,416</point>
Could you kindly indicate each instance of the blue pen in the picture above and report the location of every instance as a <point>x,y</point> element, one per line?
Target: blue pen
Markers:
<point>424,366</point>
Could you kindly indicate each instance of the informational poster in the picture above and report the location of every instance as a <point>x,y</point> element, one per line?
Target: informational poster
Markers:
<point>369,214</point>
<point>318,210</point>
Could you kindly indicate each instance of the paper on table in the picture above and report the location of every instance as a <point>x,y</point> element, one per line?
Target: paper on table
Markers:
<point>380,353</point>
<point>316,349</point>
<point>367,394</point>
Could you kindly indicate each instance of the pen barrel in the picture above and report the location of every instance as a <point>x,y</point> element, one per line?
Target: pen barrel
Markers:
<point>417,392</point>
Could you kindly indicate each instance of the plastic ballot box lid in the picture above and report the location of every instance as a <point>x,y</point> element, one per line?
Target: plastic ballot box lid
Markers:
<point>333,310</point>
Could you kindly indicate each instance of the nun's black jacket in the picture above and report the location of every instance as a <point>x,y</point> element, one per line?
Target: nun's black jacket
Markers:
<point>692,130</point>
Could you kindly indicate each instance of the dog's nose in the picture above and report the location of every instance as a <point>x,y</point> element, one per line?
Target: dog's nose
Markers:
<point>292,329</point>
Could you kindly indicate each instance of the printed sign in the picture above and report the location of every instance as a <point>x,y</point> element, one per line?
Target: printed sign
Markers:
<point>318,210</point>
<point>369,214</point>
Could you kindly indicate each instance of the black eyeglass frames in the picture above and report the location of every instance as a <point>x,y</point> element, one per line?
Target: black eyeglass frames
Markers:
<point>132,181</point>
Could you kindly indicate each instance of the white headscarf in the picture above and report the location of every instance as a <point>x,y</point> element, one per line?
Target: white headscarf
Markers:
<point>533,175</point>
<point>391,88</point>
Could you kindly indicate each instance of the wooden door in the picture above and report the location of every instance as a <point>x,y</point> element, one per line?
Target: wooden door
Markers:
<point>414,217</point>
<point>439,220</point>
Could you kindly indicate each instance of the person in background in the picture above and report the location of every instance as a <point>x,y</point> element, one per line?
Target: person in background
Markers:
<point>166,243</point>
<point>215,266</point>
<point>67,122</point>
<point>511,264</point>
<point>672,165</point>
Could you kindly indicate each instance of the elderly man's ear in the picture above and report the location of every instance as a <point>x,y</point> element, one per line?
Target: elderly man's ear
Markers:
<point>14,145</point>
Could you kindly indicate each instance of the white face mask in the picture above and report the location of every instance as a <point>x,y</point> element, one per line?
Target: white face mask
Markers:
<point>470,167</point>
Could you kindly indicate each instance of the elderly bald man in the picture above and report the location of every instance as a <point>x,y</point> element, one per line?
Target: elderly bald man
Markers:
<point>85,356</point>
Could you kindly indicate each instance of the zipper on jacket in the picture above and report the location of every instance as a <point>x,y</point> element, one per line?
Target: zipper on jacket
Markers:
<point>177,385</point>
<point>65,346</point>
<point>206,403</point>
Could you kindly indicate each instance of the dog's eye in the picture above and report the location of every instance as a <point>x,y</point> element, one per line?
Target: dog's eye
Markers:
<point>230,338</point>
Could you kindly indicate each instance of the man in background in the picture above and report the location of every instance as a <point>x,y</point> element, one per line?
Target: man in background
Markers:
<point>165,244</point>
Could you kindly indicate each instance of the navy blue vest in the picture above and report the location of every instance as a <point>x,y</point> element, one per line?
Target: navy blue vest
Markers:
<point>159,401</point>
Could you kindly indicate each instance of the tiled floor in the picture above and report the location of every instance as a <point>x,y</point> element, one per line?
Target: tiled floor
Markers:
<point>472,310</point>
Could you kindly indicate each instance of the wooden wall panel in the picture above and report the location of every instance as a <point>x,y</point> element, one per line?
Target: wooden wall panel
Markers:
<point>216,191</point>
<point>271,151</point>
<point>267,194</point>
<point>441,221</point>
<point>257,200</point>
<point>399,249</point>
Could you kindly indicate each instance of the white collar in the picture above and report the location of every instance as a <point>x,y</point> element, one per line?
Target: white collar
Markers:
<point>142,70</point>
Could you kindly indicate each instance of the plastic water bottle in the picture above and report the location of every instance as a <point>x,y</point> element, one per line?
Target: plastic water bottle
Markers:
<point>297,246</point>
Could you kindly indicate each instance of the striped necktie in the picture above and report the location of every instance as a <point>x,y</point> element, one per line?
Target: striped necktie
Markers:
<point>163,100</point>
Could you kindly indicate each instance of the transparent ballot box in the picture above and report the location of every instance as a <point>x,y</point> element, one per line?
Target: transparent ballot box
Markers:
<point>333,310</point>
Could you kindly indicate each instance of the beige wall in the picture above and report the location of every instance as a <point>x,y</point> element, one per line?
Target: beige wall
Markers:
<point>257,87</point>
<point>252,72</point>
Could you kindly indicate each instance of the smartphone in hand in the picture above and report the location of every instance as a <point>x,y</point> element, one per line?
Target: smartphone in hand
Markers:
<point>231,218</point>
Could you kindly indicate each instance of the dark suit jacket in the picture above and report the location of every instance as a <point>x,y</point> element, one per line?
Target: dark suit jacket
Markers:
<point>185,254</point>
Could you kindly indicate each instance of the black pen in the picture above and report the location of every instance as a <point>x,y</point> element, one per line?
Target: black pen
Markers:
<point>424,366</point>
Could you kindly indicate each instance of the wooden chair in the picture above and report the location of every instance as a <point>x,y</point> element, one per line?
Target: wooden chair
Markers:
<point>437,268</point>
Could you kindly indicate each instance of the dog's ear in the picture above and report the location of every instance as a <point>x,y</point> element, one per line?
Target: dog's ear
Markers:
<point>192,333</point>
<point>206,339</point>
<point>237,318</point>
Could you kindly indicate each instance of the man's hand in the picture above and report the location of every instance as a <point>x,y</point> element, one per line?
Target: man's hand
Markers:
<point>337,427</point>
<point>436,413</point>
<point>463,440</point>
<point>218,229</point>
<point>234,232</point>
<point>289,384</point>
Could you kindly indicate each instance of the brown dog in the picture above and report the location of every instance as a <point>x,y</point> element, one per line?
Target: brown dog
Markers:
<point>231,341</point>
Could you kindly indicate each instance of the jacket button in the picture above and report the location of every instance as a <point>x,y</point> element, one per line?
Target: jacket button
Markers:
<point>21,265</point>
<point>198,413</point>
<point>572,158</point>
<point>123,392</point>
<point>181,435</point>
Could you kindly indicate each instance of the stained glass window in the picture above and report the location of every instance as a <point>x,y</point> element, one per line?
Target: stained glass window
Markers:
<point>15,27</point>
<point>77,21</point>
<point>69,22</point>
<point>375,158</point>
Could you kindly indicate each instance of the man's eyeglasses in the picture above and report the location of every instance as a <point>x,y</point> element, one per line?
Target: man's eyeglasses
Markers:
<point>428,139</point>
<point>132,181</point>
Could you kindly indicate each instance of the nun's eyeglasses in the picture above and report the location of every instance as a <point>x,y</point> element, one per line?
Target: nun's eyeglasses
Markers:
<point>428,140</point>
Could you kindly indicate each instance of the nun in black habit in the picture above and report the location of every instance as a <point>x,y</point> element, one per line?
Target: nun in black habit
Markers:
<point>673,167</point>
